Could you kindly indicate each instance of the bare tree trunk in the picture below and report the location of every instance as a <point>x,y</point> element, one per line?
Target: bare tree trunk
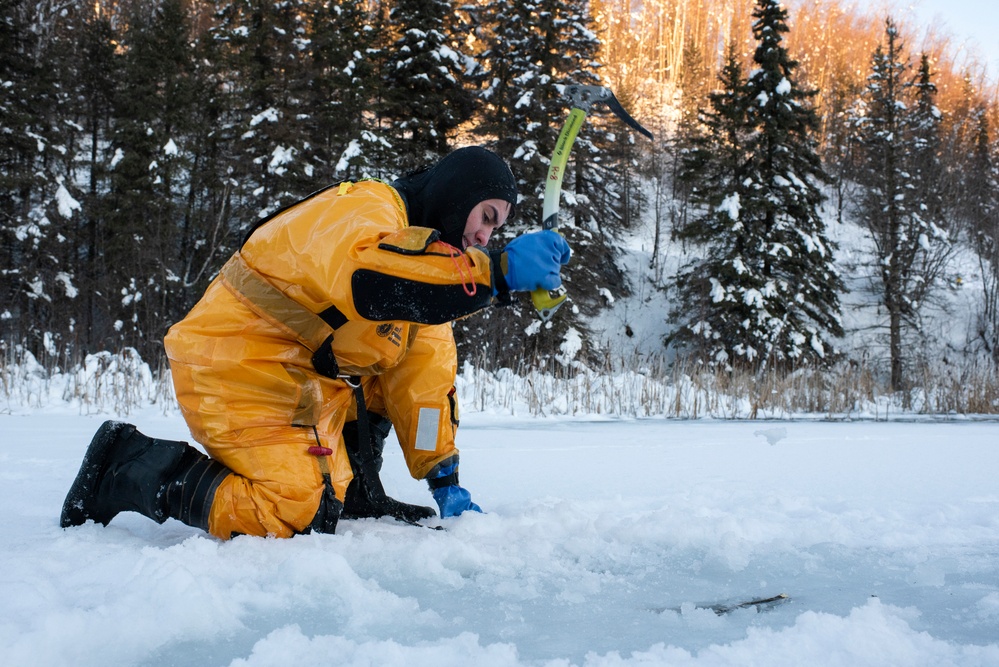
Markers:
<point>895,347</point>
<point>989,323</point>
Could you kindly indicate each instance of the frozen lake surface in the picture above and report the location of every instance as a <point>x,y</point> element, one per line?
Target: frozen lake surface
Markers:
<point>601,538</point>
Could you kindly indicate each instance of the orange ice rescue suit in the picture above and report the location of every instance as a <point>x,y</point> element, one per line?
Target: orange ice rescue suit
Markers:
<point>341,272</point>
<point>328,327</point>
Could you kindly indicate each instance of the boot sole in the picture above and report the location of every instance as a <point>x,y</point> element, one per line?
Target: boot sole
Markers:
<point>78,507</point>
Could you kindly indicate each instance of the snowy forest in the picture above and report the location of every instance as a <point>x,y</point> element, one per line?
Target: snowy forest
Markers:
<point>140,140</point>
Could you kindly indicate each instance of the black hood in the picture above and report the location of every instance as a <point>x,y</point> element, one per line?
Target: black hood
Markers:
<point>442,195</point>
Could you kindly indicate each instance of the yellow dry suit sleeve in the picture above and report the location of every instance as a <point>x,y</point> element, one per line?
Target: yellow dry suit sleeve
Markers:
<point>411,276</point>
<point>350,247</point>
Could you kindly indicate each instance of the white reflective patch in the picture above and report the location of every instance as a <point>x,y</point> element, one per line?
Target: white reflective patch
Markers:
<point>426,429</point>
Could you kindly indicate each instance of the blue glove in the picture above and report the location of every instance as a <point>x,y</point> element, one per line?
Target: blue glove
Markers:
<point>533,261</point>
<point>451,498</point>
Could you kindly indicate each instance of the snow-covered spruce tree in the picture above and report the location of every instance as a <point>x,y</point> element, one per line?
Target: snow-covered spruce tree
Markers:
<point>712,172</point>
<point>35,175</point>
<point>594,201</point>
<point>266,61</point>
<point>208,229</point>
<point>929,207</point>
<point>76,113</point>
<point>970,195</point>
<point>532,48</point>
<point>605,159</point>
<point>925,154</point>
<point>344,91</point>
<point>896,203</point>
<point>497,30</point>
<point>766,291</point>
<point>149,170</point>
<point>519,109</point>
<point>980,216</point>
<point>425,96</point>
<point>616,189</point>
<point>799,314</point>
<point>94,84</point>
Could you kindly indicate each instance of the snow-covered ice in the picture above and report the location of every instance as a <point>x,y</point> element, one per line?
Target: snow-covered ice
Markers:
<point>597,534</point>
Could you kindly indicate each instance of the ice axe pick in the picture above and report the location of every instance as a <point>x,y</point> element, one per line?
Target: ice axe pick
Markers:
<point>582,99</point>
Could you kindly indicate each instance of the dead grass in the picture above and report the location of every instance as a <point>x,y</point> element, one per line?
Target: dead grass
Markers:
<point>633,387</point>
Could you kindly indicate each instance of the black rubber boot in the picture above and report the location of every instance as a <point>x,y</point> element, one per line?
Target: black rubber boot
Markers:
<point>126,471</point>
<point>365,497</point>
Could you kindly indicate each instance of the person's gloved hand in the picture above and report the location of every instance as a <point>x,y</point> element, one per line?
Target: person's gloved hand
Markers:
<point>533,261</point>
<point>451,498</point>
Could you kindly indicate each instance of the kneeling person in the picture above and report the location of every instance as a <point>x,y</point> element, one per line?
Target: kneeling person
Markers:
<point>330,325</point>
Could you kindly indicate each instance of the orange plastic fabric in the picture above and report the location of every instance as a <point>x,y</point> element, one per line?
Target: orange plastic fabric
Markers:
<point>241,359</point>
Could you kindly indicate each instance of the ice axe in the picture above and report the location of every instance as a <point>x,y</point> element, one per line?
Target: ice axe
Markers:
<point>582,98</point>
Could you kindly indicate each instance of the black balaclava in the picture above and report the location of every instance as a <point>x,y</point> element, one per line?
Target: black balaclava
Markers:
<point>441,196</point>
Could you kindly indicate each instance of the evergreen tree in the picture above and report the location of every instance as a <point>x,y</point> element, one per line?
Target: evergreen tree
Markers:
<point>791,254</point>
<point>96,81</point>
<point>595,199</point>
<point>265,46</point>
<point>695,100</point>
<point>38,198</point>
<point>519,119</point>
<point>927,171</point>
<point>16,160</point>
<point>620,200</point>
<point>148,170</point>
<point>767,291</point>
<point>896,203</point>
<point>209,229</point>
<point>55,280</point>
<point>603,162</point>
<point>532,49</point>
<point>672,192</point>
<point>958,146</point>
<point>712,169</point>
<point>520,99</point>
<point>981,216</point>
<point>345,86</point>
<point>425,96</point>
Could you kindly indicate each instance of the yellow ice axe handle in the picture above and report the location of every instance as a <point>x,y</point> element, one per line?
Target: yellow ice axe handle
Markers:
<point>546,302</point>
